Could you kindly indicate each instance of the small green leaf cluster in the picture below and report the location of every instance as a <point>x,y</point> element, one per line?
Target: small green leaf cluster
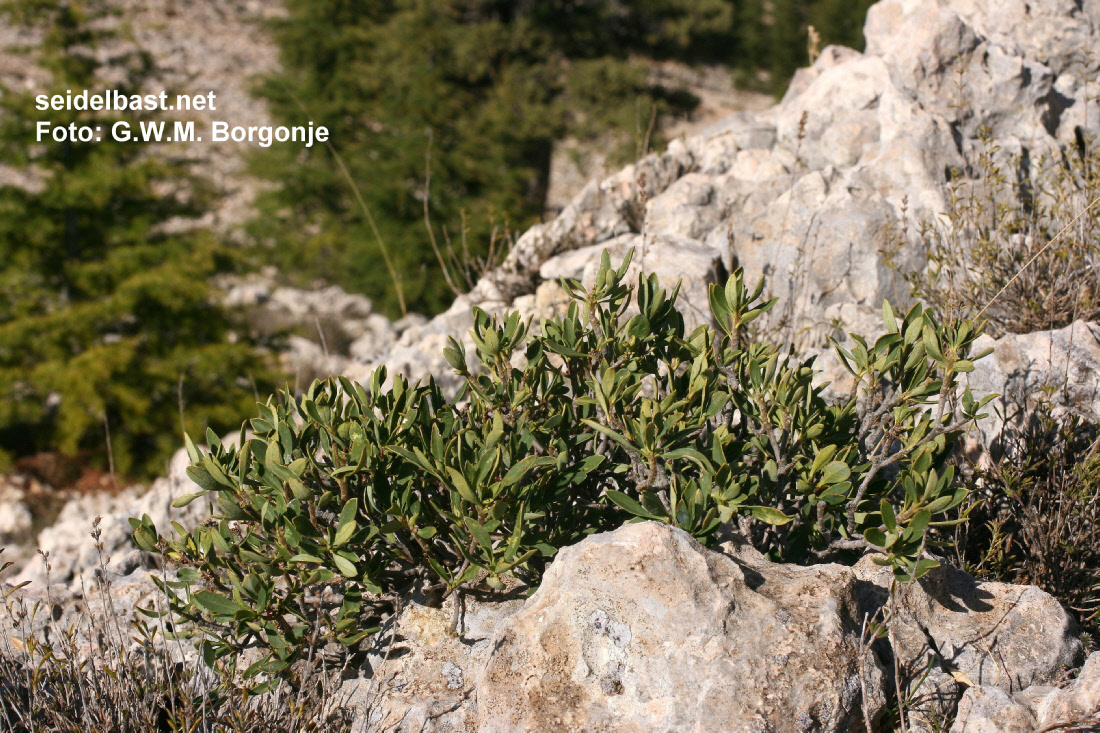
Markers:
<point>609,413</point>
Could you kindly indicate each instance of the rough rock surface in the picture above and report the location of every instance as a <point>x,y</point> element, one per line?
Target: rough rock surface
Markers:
<point>996,635</point>
<point>1074,707</point>
<point>15,518</point>
<point>421,674</point>
<point>1066,361</point>
<point>992,710</point>
<point>1077,701</point>
<point>643,629</point>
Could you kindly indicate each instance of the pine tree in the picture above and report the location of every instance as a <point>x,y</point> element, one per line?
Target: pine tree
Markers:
<point>106,323</point>
<point>487,86</point>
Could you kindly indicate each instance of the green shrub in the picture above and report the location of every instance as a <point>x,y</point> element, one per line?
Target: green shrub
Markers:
<point>600,418</point>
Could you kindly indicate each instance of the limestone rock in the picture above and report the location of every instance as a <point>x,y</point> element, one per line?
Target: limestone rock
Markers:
<point>1077,701</point>
<point>376,335</point>
<point>420,675</point>
<point>1075,707</point>
<point>986,709</point>
<point>643,629</point>
<point>1022,365</point>
<point>993,634</point>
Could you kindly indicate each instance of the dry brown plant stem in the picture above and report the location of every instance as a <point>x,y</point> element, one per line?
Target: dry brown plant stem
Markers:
<point>366,212</point>
<point>427,219</point>
<point>1034,257</point>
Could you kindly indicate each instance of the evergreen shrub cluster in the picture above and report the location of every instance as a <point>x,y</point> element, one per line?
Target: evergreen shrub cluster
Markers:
<point>613,412</point>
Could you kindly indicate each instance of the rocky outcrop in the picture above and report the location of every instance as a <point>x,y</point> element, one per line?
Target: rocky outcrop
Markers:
<point>643,629</point>
<point>327,330</point>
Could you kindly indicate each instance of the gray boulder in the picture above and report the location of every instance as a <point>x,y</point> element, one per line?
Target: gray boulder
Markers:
<point>1072,708</point>
<point>968,633</point>
<point>986,709</point>
<point>642,629</point>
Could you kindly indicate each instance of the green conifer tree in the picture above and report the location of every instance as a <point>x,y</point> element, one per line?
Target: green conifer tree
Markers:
<point>488,86</point>
<point>106,323</point>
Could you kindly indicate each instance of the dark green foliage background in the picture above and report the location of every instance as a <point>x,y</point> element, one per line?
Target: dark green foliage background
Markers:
<point>105,317</point>
<point>492,84</point>
<point>102,311</point>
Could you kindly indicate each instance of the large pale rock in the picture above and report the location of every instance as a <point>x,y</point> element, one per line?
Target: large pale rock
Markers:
<point>1065,362</point>
<point>824,133</point>
<point>684,209</point>
<point>1078,700</point>
<point>420,675</point>
<point>994,634</point>
<point>991,710</point>
<point>643,629</point>
<point>373,337</point>
<point>1075,707</point>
